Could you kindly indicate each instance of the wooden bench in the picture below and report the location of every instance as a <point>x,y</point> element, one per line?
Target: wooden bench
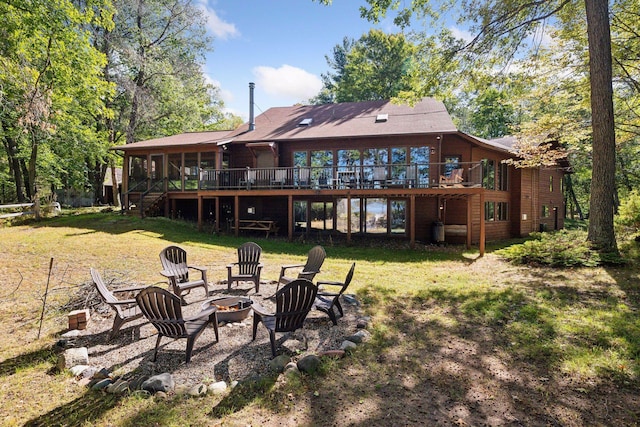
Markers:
<point>455,230</point>
<point>258,225</point>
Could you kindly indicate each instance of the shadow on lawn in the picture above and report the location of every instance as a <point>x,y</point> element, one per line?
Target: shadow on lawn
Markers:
<point>447,357</point>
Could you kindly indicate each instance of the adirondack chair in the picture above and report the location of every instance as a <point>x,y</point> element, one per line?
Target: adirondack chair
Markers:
<point>126,310</point>
<point>315,259</point>
<point>293,303</point>
<point>379,176</point>
<point>249,178</point>
<point>176,269</point>
<point>248,266</point>
<point>279,178</point>
<point>454,179</point>
<point>164,310</point>
<point>304,177</point>
<point>327,300</point>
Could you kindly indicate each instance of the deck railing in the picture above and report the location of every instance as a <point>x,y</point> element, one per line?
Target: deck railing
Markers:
<point>415,175</point>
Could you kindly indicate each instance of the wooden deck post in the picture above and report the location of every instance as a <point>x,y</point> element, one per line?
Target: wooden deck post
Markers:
<point>290,217</point>
<point>349,218</point>
<point>469,223</point>
<point>236,214</point>
<point>199,213</point>
<point>481,244</point>
<point>216,227</point>
<point>412,221</point>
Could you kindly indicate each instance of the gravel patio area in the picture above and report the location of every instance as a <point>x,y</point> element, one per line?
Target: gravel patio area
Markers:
<point>234,357</point>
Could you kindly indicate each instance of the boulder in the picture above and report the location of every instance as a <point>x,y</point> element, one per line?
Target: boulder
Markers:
<point>162,382</point>
<point>72,357</point>
<point>309,364</point>
<point>218,388</point>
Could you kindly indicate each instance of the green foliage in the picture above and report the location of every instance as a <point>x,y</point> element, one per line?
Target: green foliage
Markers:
<point>563,248</point>
<point>378,66</point>
<point>629,212</point>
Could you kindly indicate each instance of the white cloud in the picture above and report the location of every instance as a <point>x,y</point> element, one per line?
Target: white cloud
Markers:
<point>220,29</point>
<point>288,82</point>
<point>461,34</point>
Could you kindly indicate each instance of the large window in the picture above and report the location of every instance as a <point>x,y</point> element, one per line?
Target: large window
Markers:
<point>376,215</point>
<point>321,167</point>
<point>398,162</point>
<point>503,177</point>
<point>450,163</point>
<point>322,216</point>
<point>191,175</point>
<point>208,178</point>
<point>137,171</point>
<point>300,158</point>
<point>300,215</point>
<point>398,217</point>
<point>175,172</point>
<point>420,158</point>
<point>488,174</point>
<point>489,211</point>
<point>502,211</point>
<point>342,215</point>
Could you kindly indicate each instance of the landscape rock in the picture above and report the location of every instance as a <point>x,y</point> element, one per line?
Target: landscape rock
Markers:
<point>90,372</point>
<point>72,357</point>
<point>278,363</point>
<point>77,370</point>
<point>72,333</point>
<point>162,382</point>
<point>359,337</point>
<point>291,369</point>
<point>181,389</point>
<point>347,345</point>
<point>218,387</point>
<point>102,384</point>
<point>294,345</point>
<point>350,299</point>
<point>309,364</point>
<point>198,390</point>
<point>121,386</point>
<point>102,373</point>
<point>362,322</point>
<point>136,383</point>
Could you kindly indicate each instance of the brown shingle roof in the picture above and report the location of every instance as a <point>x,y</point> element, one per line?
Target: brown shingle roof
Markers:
<point>189,138</point>
<point>349,119</point>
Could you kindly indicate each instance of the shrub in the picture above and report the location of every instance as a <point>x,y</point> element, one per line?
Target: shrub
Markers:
<point>629,212</point>
<point>564,248</point>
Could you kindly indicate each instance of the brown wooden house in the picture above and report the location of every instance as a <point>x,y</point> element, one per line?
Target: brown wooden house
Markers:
<point>366,168</point>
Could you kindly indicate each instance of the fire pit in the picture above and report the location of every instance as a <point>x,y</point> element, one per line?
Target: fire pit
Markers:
<point>230,309</point>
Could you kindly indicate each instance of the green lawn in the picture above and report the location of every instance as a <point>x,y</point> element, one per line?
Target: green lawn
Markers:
<point>456,338</point>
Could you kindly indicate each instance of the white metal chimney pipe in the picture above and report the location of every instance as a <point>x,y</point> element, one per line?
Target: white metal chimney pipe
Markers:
<point>252,120</point>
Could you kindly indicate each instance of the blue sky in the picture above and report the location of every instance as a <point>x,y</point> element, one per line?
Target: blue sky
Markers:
<point>280,45</point>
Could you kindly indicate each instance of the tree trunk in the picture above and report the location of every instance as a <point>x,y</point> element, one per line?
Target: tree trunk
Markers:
<point>601,206</point>
<point>14,167</point>
<point>572,197</point>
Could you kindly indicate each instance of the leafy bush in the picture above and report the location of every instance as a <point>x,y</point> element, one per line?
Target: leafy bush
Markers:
<point>629,212</point>
<point>564,248</point>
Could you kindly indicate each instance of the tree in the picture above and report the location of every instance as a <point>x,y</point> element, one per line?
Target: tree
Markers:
<point>50,86</point>
<point>154,52</point>
<point>378,66</point>
<point>505,25</point>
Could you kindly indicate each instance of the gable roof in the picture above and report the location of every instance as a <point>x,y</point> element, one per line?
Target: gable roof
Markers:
<point>188,138</point>
<point>348,119</point>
